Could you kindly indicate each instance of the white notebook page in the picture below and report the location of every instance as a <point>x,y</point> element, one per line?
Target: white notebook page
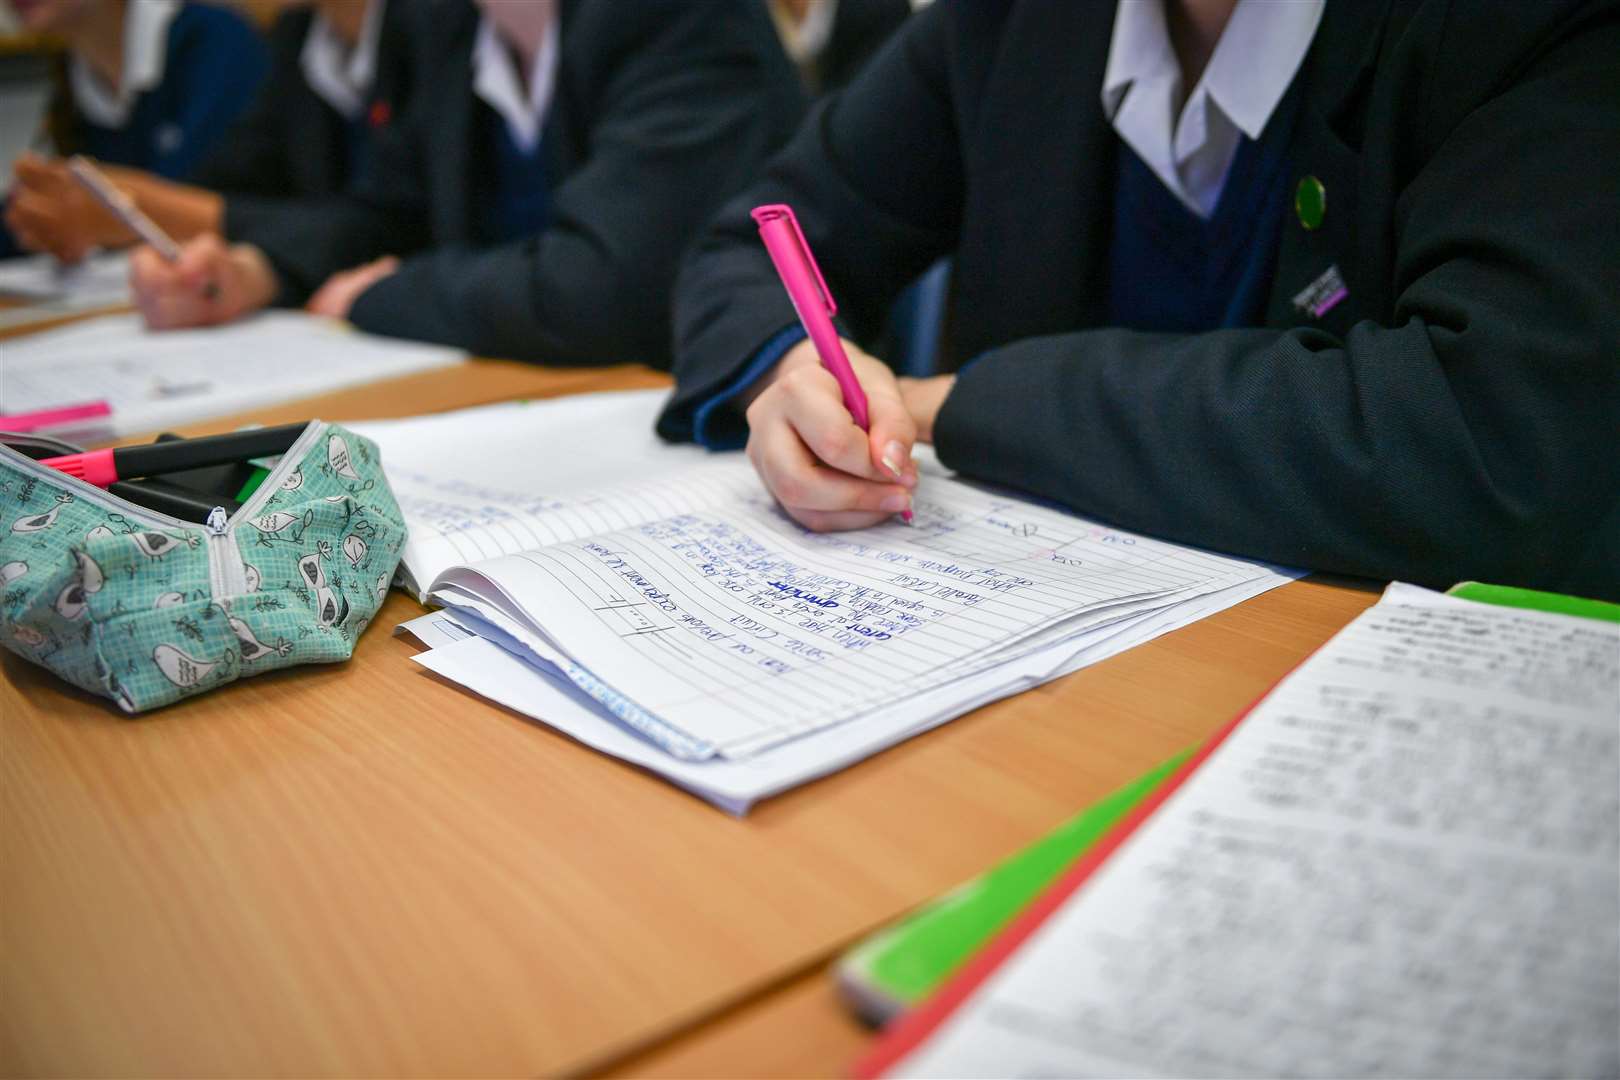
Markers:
<point>101,280</point>
<point>163,379</point>
<point>479,483</point>
<point>1405,862</point>
<point>741,630</point>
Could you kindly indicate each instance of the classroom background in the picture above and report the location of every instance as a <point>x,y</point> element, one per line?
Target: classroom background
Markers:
<point>566,750</point>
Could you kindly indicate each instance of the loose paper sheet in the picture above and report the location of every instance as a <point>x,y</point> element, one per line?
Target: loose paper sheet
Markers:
<point>163,379</point>
<point>1405,862</point>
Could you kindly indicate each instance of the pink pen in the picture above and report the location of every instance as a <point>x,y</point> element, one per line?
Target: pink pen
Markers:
<point>122,207</point>
<point>812,300</point>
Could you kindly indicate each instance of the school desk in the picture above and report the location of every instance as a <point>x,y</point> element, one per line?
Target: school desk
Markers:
<point>360,869</point>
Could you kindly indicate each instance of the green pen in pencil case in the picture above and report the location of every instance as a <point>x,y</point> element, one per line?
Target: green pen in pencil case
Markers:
<point>147,609</point>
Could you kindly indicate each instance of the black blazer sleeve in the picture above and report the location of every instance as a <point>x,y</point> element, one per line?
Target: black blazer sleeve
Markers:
<point>875,218</point>
<point>687,101</point>
<point>384,211</point>
<point>1472,434</point>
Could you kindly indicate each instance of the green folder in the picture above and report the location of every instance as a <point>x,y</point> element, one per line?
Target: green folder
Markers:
<point>1557,603</point>
<point>902,964</point>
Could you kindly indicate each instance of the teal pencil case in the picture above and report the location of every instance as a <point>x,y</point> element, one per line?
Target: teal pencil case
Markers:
<point>146,609</point>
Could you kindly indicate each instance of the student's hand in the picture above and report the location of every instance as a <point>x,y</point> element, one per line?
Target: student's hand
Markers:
<point>210,283</point>
<point>825,471</point>
<point>343,288</point>
<point>923,399</point>
<point>50,211</point>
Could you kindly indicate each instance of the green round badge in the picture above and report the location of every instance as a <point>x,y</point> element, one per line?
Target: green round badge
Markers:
<point>1310,202</point>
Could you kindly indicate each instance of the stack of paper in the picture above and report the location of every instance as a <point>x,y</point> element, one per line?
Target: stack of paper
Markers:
<point>1404,862</point>
<point>670,614</point>
<point>50,290</point>
<point>156,380</point>
<point>499,479</point>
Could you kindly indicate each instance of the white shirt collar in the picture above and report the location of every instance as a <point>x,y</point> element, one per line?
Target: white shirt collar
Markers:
<point>1259,53</point>
<point>805,41</point>
<point>497,81</point>
<point>1138,52</point>
<point>1258,56</point>
<point>339,75</point>
<point>146,43</point>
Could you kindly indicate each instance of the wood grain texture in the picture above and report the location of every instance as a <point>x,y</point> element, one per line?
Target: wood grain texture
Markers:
<point>361,869</point>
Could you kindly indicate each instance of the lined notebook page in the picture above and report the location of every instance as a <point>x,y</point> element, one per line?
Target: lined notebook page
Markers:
<point>742,631</point>
<point>479,483</point>
<point>1405,862</point>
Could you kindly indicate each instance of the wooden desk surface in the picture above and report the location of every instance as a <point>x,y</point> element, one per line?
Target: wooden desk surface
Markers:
<point>361,869</point>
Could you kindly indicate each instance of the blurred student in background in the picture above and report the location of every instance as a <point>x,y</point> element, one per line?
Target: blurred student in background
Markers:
<point>152,84</point>
<point>1325,284</point>
<point>340,72</point>
<point>534,201</point>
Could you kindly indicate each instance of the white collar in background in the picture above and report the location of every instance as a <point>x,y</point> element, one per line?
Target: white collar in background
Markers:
<point>498,82</point>
<point>1260,51</point>
<point>342,76</point>
<point>146,43</point>
<point>804,41</point>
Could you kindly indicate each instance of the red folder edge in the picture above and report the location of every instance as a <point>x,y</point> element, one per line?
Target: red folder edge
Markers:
<point>911,1029</point>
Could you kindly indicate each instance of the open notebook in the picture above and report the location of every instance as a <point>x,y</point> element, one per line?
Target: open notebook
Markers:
<point>655,602</point>
<point>479,483</point>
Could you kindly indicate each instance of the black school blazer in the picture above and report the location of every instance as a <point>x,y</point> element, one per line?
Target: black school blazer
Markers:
<point>290,144</point>
<point>662,108</point>
<point>1454,417</point>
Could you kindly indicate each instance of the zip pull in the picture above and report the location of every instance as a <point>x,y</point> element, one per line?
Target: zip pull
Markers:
<point>227,575</point>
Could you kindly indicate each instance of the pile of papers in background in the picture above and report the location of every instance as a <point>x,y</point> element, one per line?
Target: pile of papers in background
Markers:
<point>154,380</point>
<point>47,289</point>
<point>654,603</point>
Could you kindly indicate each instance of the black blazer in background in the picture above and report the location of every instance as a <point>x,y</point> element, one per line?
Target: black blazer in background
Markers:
<point>860,27</point>
<point>290,144</point>
<point>1455,417</point>
<point>662,108</point>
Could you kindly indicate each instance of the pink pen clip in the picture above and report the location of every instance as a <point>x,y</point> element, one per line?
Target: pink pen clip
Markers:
<point>813,301</point>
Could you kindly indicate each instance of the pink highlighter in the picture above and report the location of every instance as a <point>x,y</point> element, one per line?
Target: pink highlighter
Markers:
<point>63,416</point>
<point>812,300</point>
